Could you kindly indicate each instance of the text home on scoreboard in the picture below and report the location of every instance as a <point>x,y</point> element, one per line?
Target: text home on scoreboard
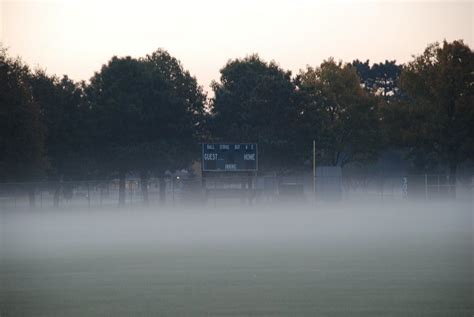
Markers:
<point>229,157</point>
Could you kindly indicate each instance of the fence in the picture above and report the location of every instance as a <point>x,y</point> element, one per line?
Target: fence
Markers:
<point>258,189</point>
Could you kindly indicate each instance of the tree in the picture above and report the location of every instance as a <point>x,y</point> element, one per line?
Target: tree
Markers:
<point>21,129</point>
<point>181,114</point>
<point>337,113</point>
<point>440,104</point>
<point>380,79</point>
<point>147,111</point>
<point>254,103</point>
<point>64,116</point>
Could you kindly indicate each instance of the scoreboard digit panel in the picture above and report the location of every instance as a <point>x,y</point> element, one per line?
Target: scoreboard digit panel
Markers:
<point>229,157</point>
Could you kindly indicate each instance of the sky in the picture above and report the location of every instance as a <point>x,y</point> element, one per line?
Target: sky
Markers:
<point>76,37</point>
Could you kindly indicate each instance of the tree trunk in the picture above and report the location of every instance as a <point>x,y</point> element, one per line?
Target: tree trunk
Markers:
<point>453,166</point>
<point>121,189</point>
<point>144,186</point>
<point>31,196</point>
<point>162,191</point>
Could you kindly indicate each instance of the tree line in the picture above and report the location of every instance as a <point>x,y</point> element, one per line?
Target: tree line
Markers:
<point>145,116</point>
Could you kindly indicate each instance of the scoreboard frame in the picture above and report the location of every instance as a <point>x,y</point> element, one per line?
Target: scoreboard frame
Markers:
<point>232,145</point>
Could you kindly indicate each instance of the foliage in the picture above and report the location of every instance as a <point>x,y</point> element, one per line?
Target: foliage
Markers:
<point>21,129</point>
<point>65,117</point>
<point>254,103</point>
<point>338,114</point>
<point>146,115</point>
<point>439,85</point>
<point>146,111</point>
<point>380,79</point>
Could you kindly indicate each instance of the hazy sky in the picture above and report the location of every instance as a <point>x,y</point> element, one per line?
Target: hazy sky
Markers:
<point>77,37</point>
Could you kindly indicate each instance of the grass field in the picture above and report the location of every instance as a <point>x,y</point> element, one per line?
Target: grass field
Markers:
<point>382,260</point>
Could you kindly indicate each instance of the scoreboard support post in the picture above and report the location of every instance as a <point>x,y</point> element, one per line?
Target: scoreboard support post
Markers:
<point>249,187</point>
<point>204,186</point>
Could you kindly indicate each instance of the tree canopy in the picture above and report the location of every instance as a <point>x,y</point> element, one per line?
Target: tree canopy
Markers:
<point>440,103</point>
<point>21,129</point>
<point>381,79</point>
<point>147,115</point>
<point>65,117</point>
<point>338,114</point>
<point>254,103</point>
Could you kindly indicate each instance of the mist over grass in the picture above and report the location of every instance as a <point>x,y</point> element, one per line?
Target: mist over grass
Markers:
<point>392,258</point>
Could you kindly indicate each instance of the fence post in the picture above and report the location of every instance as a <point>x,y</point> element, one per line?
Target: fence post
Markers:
<point>172,187</point>
<point>405,187</point>
<point>450,190</point>
<point>438,185</point>
<point>88,196</point>
<point>381,186</point>
<point>426,186</point>
<point>101,193</point>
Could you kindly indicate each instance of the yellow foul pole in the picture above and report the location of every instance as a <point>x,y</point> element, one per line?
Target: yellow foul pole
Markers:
<point>314,169</point>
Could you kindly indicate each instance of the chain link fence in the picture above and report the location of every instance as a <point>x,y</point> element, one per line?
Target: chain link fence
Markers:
<point>178,191</point>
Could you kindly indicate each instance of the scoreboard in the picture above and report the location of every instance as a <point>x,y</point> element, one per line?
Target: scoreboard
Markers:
<point>229,157</point>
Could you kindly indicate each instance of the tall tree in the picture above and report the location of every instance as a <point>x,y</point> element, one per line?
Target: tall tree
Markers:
<point>440,105</point>
<point>254,103</point>
<point>337,113</point>
<point>21,129</point>
<point>64,116</point>
<point>181,111</point>
<point>147,113</point>
<point>116,101</point>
